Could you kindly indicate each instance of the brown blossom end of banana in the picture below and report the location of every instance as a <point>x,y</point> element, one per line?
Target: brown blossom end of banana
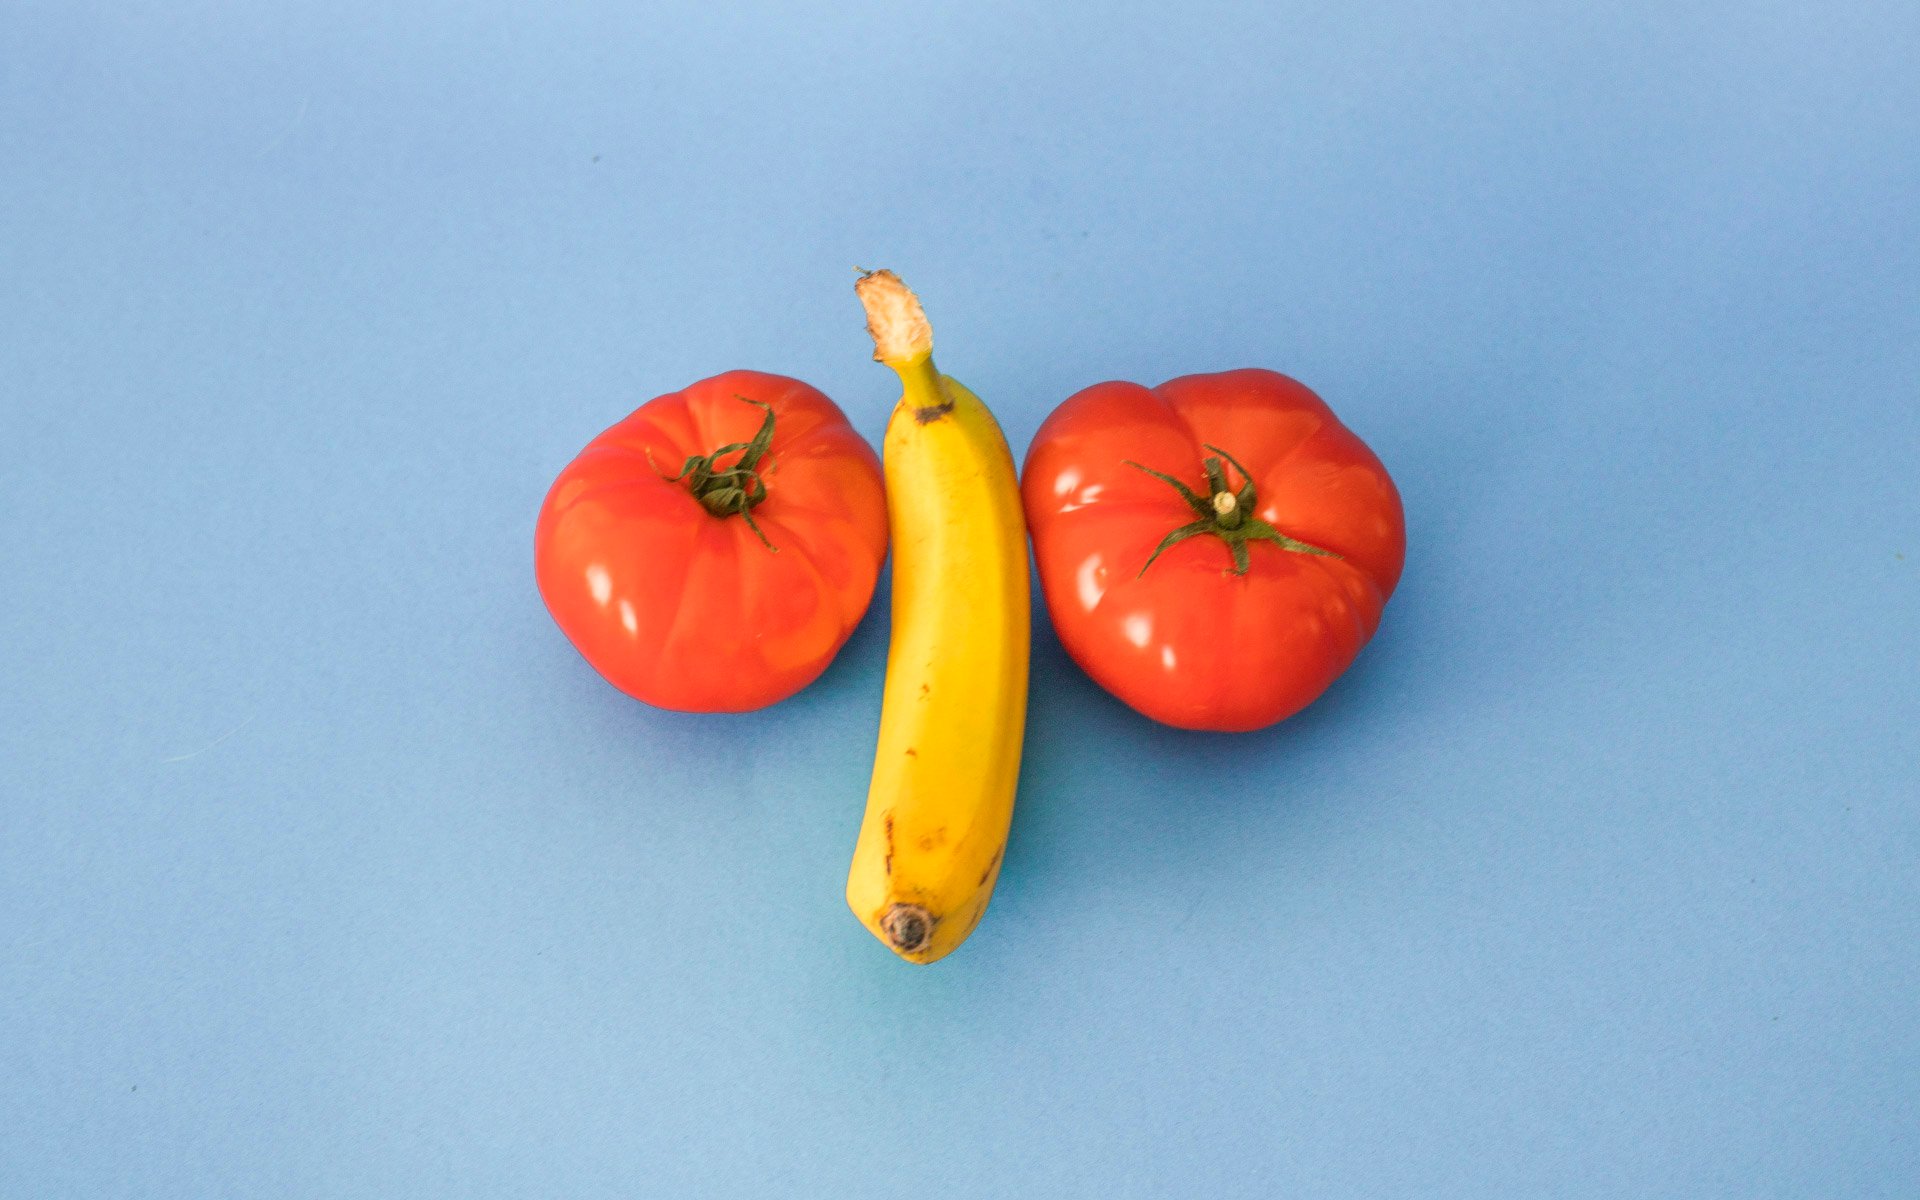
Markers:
<point>909,928</point>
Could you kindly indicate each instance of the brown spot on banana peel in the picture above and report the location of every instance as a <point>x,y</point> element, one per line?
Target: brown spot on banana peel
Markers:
<point>991,864</point>
<point>929,413</point>
<point>908,927</point>
<point>889,862</point>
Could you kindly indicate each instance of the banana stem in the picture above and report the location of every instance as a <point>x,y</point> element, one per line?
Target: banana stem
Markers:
<point>903,340</point>
<point>920,387</point>
<point>894,318</point>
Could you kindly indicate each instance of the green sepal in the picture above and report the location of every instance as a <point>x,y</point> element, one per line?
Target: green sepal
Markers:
<point>1237,526</point>
<point>736,490</point>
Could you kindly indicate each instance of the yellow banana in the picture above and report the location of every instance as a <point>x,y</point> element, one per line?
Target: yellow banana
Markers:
<point>955,703</point>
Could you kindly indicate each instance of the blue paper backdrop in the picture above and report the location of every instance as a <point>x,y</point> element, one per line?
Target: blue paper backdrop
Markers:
<point>327,869</point>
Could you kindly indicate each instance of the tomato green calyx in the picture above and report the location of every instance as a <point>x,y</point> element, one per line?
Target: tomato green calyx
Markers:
<point>735,490</point>
<point>1226,512</point>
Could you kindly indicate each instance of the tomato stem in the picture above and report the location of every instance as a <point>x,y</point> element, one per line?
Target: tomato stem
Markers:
<point>734,490</point>
<point>1227,513</point>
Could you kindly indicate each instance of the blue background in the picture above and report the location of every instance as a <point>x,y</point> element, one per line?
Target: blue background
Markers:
<point>328,869</point>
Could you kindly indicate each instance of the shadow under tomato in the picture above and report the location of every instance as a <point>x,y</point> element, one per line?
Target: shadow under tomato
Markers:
<point>731,766</point>
<point>1106,792</point>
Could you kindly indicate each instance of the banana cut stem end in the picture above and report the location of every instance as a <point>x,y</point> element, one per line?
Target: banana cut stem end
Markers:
<point>909,928</point>
<point>894,318</point>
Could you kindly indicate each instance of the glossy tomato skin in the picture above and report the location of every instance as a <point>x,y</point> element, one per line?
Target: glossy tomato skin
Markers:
<point>1189,642</point>
<point>687,610</point>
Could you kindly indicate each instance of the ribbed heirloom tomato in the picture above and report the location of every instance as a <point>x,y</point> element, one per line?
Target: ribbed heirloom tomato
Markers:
<point>1214,551</point>
<point>713,551</point>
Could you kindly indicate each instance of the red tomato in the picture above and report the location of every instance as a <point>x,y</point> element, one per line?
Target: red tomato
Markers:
<point>1278,538</point>
<point>712,551</point>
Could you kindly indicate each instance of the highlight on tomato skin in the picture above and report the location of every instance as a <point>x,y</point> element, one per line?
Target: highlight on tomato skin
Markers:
<point>713,550</point>
<point>1214,551</point>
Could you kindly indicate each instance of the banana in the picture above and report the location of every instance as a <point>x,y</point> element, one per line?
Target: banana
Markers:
<point>953,712</point>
